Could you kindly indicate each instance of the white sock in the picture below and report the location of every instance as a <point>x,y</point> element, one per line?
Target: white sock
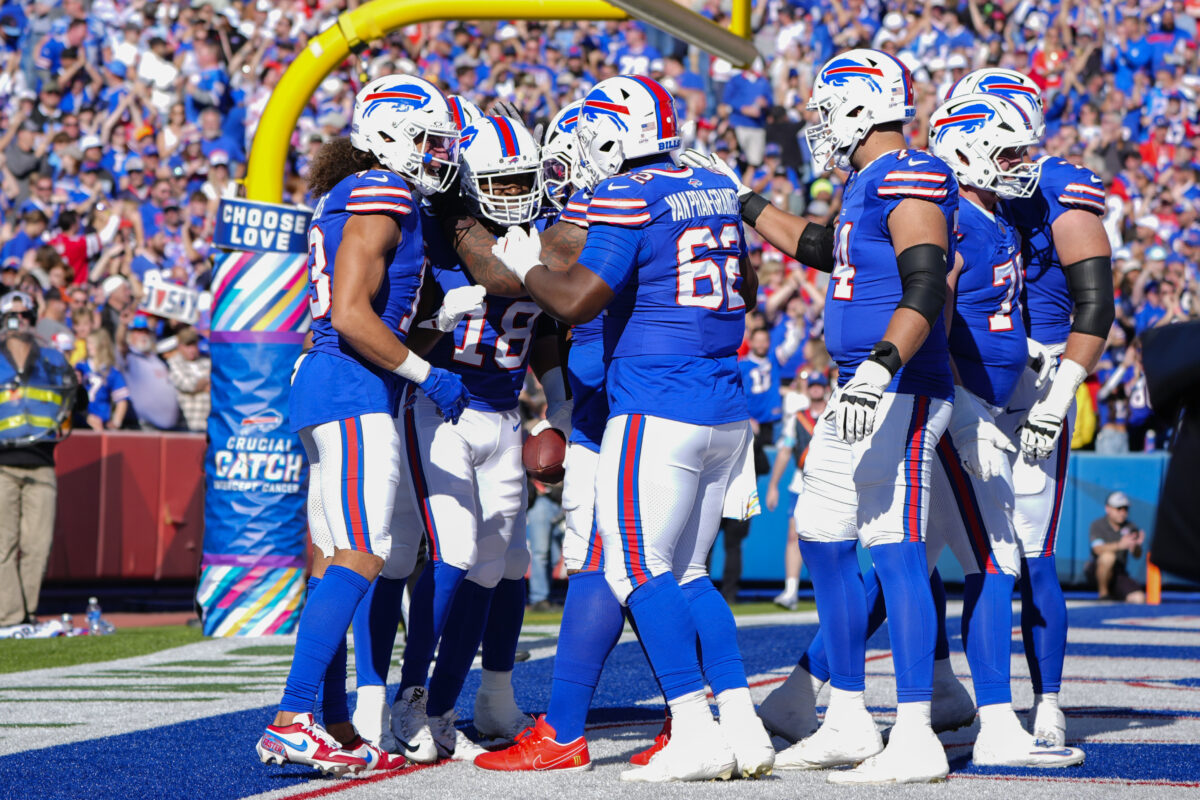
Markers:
<point>735,703</point>
<point>1050,700</point>
<point>841,700</point>
<point>908,714</point>
<point>943,672</point>
<point>791,586</point>
<point>998,715</point>
<point>496,682</point>
<point>690,711</point>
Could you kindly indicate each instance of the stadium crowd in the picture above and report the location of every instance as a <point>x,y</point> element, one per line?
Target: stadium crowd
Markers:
<point>123,123</point>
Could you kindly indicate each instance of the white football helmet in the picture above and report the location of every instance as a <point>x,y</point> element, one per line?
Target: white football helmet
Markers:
<point>405,122</point>
<point>498,150</point>
<point>463,111</point>
<point>969,132</point>
<point>854,92</point>
<point>1007,83</point>
<point>560,156</point>
<point>622,118</point>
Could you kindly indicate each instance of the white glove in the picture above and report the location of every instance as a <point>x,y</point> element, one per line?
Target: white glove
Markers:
<point>459,302</point>
<point>980,444</point>
<point>1041,361</point>
<point>1045,421</point>
<point>694,158</point>
<point>859,400</point>
<point>519,251</point>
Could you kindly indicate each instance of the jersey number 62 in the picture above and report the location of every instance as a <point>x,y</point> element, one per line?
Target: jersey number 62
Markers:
<point>702,282</point>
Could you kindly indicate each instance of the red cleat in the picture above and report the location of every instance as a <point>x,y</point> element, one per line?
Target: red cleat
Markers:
<point>377,760</point>
<point>537,751</point>
<point>643,758</point>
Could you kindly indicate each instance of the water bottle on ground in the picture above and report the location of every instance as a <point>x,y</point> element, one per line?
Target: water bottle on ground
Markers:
<point>96,624</point>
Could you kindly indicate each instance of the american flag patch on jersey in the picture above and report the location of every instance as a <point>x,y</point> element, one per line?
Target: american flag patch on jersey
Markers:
<point>914,183</point>
<point>366,199</point>
<point>618,211</point>
<point>1083,196</point>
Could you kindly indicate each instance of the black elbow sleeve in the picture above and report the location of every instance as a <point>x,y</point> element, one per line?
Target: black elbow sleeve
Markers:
<point>923,276</point>
<point>1091,286</point>
<point>815,248</point>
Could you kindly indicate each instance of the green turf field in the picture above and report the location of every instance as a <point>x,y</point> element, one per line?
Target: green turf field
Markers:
<point>18,655</point>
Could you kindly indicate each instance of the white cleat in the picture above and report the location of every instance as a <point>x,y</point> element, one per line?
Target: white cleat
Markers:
<point>787,600</point>
<point>450,741</point>
<point>790,710</point>
<point>1013,747</point>
<point>751,744</point>
<point>377,761</point>
<point>410,727</point>
<point>913,755</point>
<point>689,756</point>
<point>373,717</point>
<point>953,707</point>
<point>847,738</point>
<point>497,715</point>
<point>1048,724</point>
<point>305,742</point>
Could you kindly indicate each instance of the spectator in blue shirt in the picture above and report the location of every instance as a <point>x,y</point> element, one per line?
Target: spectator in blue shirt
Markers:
<point>1152,310</point>
<point>108,396</point>
<point>760,380</point>
<point>636,56</point>
<point>30,236</point>
<point>748,95</point>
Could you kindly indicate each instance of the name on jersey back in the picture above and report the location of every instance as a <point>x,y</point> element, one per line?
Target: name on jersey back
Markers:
<point>692,203</point>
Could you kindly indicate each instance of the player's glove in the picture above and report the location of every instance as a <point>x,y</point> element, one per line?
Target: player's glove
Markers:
<point>1045,422</point>
<point>859,400</point>
<point>981,445</point>
<point>458,303</point>
<point>519,251</point>
<point>694,158</point>
<point>1043,362</point>
<point>447,392</point>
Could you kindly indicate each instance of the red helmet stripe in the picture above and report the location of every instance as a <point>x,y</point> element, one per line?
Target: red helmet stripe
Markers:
<point>667,128</point>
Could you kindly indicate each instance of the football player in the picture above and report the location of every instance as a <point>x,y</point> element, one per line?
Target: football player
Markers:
<point>469,482</point>
<point>867,476</point>
<point>664,258</point>
<point>1068,306</point>
<point>365,264</point>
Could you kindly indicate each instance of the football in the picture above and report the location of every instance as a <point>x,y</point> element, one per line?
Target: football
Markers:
<point>543,455</point>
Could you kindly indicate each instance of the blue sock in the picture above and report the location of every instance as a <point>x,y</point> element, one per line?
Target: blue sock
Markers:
<point>332,701</point>
<point>842,607</point>
<point>665,626</point>
<point>459,644</point>
<point>322,630</point>
<point>987,635</point>
<point>427,615</point>
<point>503,630</point>
<point>633,626</point>
<point>815,660</point>
<point>375,624</point>
<point>720,658</point>
<point>591,625</point>
<point>1043,623</point>
<point>912,620</point>
<point>941,648</point>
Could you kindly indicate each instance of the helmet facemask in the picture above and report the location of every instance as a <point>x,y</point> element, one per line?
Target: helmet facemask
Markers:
<point>495,201</point>
<point>839,133</point>
<point>600,153</point>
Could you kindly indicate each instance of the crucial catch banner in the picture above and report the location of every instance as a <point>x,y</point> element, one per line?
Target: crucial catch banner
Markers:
<point>261,227</point>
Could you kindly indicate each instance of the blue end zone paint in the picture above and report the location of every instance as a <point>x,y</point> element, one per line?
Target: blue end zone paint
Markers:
<point>217,753</point>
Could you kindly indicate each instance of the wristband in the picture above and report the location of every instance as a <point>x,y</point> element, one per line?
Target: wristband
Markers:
<point>752,206</point>
<point>885,354</point>
<point>413,368</point>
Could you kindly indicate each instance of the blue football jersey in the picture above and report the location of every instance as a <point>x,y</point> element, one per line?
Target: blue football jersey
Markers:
<point>488,350</point>
<point>987,336</point>
<point>334,382</point>
<point>667,241</point>
<point>1062,187</point>
<point>865,286</point>
<point>585,361</point>
<point>760,381</point>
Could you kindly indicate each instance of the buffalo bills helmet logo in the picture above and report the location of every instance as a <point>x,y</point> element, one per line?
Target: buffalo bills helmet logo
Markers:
<point>568,122</point>
<point>1005,87</point>
<point>843,71</point>
<point>966,119</point>
<point>406,97</point>
<point>467,135</point>
<point>597,104</point>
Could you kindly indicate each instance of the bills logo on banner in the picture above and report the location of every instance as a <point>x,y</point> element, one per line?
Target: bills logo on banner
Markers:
<point>261,227</point>
<point>169,300</point>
